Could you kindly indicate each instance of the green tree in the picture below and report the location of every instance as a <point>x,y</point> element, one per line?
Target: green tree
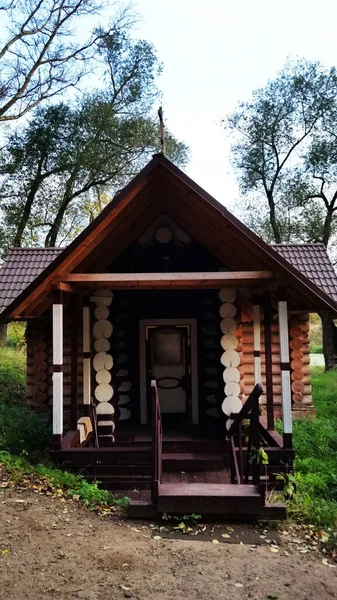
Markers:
<point>284,154</point>
<point>56,167</point>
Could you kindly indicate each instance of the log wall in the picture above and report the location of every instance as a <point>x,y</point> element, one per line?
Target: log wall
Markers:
<point>39,363</point>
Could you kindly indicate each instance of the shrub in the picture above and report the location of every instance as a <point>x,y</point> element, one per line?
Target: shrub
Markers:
<point>12,375</point>
<point>21,429</point>
<point>16,335</point>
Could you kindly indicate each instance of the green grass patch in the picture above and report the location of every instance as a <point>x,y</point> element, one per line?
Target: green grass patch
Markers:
<point>315,442</point>
<point>314,349</point>
<point>48,479</point>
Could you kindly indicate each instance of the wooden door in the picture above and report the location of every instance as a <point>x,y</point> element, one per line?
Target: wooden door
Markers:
<point>169,363</point>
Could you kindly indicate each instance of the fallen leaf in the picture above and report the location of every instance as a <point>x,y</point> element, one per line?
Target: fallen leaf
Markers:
<point>225,535</point>
<point>156,537</point>
<point>326,562</point>
<point>239,585</point>
<point>274,549</point>
<point>215,542</point>
<point>230,529</point>
<point>4,552</point>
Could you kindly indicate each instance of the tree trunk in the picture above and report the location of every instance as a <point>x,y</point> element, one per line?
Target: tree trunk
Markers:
<point>327,227</point>
<point>329,331</point>
<point>273,220</point>
<point>3,334</point>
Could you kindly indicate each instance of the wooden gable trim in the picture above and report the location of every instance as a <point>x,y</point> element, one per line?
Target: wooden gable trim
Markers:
<point>80,247</point>
<point>209,280</point>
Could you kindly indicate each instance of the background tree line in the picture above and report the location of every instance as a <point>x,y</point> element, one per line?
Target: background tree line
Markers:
<point>64,160</point>
<point>285,156</point>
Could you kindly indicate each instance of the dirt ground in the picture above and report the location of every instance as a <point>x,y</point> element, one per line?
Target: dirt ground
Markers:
<point>54,549</point>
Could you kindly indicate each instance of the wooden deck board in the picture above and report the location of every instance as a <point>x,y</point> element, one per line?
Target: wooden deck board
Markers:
<point>219,490</point>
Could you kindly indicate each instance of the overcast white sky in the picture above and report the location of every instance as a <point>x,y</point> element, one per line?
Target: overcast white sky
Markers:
<point>215,52</point>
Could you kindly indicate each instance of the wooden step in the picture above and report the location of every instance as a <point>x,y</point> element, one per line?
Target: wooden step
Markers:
<point>189,461</point>
<point>209,498</point>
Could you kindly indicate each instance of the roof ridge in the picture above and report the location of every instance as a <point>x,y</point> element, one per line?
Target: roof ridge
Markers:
<point>39,248</point>
<point>298,244</point>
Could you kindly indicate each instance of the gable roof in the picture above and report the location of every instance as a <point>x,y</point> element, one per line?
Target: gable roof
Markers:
<point>162,187</point>
<point>23,265</point>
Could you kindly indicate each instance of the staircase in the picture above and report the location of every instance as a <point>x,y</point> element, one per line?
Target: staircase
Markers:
<point>237,499</point>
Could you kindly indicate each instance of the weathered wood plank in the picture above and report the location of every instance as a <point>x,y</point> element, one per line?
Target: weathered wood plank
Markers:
<point>129,281</point>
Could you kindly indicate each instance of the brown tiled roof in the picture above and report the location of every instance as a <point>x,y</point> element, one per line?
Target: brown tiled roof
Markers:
<point>23,265</point>
<point>20,268</point>
<point>311,260</point>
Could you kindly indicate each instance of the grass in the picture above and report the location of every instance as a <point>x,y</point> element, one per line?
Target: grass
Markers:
<point>46,478</point>
<point>315,442</point>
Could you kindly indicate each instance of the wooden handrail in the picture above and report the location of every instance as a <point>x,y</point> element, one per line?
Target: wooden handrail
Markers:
<point>247,407</point>
<point>157,442</point>
<point>250,410</point>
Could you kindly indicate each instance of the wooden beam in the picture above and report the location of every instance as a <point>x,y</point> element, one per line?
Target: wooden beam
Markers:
<point>74,357</point>
<point>285,369</point>
<point>210,280</point>
<point>268,360</point>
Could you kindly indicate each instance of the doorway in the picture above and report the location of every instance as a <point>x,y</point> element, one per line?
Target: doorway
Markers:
<point>168,353</point>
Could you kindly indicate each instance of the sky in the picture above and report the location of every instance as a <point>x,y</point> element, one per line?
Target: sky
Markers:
<point>214,54</point>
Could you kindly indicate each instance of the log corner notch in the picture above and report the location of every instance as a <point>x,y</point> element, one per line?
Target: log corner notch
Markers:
<point>285,368</point>
<point>57,369</point>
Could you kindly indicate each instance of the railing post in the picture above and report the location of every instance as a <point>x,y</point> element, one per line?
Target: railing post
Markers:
<point>57,369</point>
<point>285,370</point>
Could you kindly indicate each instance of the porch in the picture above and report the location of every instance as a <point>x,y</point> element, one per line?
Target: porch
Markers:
<point>190,464</point>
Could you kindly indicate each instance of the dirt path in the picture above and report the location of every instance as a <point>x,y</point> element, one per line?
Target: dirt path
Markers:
<point>54,549</point>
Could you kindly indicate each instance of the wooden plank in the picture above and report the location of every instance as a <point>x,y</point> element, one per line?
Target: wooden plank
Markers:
<point>130,281</point>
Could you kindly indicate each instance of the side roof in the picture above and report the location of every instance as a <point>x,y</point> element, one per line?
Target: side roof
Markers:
<point>21,267</point>
<point>117,214</point>
<point>313,261</point>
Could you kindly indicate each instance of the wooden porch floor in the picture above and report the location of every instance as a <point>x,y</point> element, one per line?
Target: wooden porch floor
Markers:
<point>177,477</point>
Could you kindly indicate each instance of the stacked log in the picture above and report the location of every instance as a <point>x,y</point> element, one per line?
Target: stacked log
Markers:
<point>230,359</point>
<point>102,364</point>
<point>36,388</point>
<point>300,360</point>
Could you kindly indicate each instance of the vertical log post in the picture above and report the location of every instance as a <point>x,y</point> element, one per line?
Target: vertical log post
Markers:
<point>257,339</point>
<point>74,363</point>
<point>86,356</point>
<point>57,369</point>
<point>269,362</point>
<point>285,369</point>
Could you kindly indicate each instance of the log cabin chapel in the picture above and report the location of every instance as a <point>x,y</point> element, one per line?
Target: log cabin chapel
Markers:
<point>158,334</point>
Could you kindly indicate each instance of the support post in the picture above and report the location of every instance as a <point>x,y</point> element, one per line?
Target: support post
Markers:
<point>74,363</point>
<point>268,361</point>
<point>86,355</point>
<point>57,369</point>
<point>285,370</point>
<point>257,339</point>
